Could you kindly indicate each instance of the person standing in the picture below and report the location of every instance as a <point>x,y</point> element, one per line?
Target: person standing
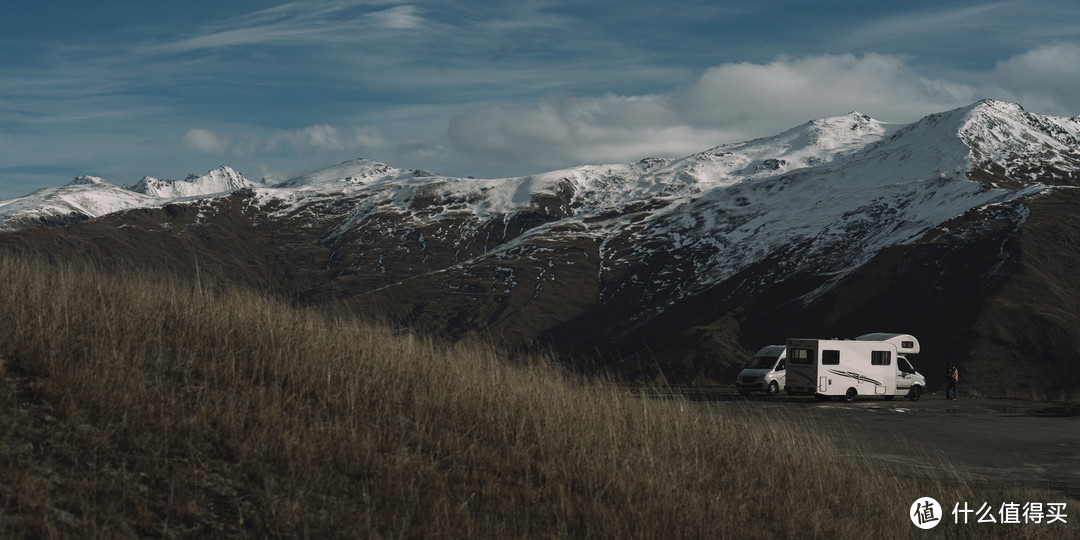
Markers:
<point>951,379</point>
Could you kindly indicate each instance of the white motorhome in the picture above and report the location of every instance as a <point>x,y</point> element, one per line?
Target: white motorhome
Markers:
<point>869,365</point>
<point>764,372</point>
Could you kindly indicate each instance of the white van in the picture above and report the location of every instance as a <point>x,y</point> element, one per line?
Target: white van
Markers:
<point>869,365</point>
<point>765,372</point>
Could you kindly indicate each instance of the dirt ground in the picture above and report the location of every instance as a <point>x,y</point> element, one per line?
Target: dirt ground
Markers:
<point>984,440</point>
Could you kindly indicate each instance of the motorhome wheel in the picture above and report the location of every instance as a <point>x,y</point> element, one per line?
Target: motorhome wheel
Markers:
<point>773,389</point>
<point>849,396</point>
<point>915,393</point>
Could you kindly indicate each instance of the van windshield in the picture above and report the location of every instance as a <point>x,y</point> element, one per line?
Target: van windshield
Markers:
<point>761,362</point>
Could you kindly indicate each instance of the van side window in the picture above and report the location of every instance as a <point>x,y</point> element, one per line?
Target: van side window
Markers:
<point>802,356</point>
<point>780,366</point>
<point>830,358</point>
<point>881,358</point>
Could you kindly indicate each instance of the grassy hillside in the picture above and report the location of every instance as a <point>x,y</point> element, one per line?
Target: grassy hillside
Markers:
<point>142,406</point>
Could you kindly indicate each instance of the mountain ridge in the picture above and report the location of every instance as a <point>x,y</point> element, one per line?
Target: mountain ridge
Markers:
<point>89,197</point>
<point>215,181</point>
<point>674,266</point>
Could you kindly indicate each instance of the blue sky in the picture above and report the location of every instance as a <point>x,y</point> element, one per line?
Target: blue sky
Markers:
<point>273,89</point>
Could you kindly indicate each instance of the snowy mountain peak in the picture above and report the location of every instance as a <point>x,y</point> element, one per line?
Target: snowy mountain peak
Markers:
<point>355,171</point>
<point>989,115</point>
<point>1003,137</point>
<point>83,180</point>
<point>812,144</point>
<point>223,172</point>
<point>839,132</point>
<point>88,197</point>
<point>991,106</point>
<point>221,180</point>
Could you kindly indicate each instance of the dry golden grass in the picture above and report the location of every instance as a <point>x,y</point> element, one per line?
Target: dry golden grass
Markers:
<point>142,406</point>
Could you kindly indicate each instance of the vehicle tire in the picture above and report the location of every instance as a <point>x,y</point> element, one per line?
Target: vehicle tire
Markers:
<point>773,389</point>
<point>849,396</point>
<point>915,393</point>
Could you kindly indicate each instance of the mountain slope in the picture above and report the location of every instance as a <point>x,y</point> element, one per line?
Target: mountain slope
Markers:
<point>838,227</point>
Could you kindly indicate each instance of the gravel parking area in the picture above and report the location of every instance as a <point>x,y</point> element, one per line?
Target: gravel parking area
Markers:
<point>983,439</point>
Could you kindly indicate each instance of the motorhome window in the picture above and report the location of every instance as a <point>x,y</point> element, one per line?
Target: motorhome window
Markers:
<point>907,344</point>
<point>802,356</point>
<point>830,358</point>
<point>881,358</point>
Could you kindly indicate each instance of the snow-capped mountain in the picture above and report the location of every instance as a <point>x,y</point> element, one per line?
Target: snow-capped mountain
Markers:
<point>84,198</point>
<point>837,190</point>
<point>88,197</point>
<point>677,266</point>
<point>87,180</point>
<point>214,182</point>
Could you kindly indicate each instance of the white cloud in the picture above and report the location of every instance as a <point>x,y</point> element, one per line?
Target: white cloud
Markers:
<point>728,103</point>
<point>205,140</point>
<point>327,138</point>
<point>609,128</point>
<point>789,91</point>
<point>1044,79</point>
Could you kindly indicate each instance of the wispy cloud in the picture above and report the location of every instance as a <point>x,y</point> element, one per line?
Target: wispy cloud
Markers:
<point>964,34</point>
<point>313,139</point>
<point>397,18</point>
<point>328,138</point>
<point>942,20</point>
<point>302,22</point>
